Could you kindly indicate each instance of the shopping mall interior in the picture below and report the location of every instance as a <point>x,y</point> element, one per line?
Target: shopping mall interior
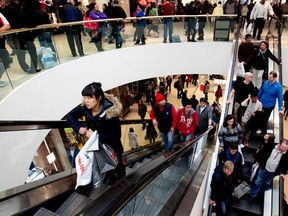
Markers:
<point>35,134</point>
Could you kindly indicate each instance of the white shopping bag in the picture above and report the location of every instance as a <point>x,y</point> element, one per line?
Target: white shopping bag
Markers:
<point>241,69</point>
<point>84,160</point>
<point>254,171</point>
<point>250,27</point>
<point>47,57</point>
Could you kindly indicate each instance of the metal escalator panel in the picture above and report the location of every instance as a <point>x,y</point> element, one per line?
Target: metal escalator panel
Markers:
<point>151,199</point>
<point>149,188</point>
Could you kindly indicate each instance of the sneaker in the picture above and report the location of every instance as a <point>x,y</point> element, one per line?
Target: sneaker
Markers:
<point>2,84</point>
<point>164,41</point>
<point>258,132</point>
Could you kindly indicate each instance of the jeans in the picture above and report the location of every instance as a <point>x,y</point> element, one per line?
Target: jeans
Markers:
<point>202,24</point>
<point>262,181</point>
<point>221,208</point>
<point>45,40</point>
<point>168,24</point>
<point>17,45</point>
<point>74,36</point>
<point>116,34</point>
<point>186,138</point>
<point>259,24</point>
<point>191,29</point>
<point>168,139</point>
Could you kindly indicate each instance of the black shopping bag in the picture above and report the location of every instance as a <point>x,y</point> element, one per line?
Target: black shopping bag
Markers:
<point>106,158</point>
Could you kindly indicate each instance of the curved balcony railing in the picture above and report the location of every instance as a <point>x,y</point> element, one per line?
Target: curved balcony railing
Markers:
<point>27,56</point>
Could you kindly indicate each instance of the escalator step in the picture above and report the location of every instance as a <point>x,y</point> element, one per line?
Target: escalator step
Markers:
<point>154,156</point>
<point>45,212</point>
<point>248,157</point>
<point>243,204</point>
<point>137,165</point>
<point>73,204</point>
<point>146,160</point>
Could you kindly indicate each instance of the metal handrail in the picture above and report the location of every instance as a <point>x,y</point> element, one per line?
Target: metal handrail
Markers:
<point>57,25</point>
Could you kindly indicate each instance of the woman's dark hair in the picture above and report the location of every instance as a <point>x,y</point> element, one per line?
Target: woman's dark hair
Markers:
<point>227,118</point>
<point>263,42</point>
<point>219,87</point>
<point>153,5</point>
<point>141,7</point>
<point>131,129</point>
<point>94,90</point>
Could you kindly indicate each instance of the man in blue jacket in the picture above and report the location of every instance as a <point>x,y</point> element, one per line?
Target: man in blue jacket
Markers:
<point>269,92</point>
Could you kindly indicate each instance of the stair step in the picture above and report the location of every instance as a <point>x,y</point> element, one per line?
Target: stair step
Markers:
<point>137,165</point>
<point>73,204</point>
<point>254,207</point>
<point>45,212</point>
<point>146,160</point>
<point>248,157</point>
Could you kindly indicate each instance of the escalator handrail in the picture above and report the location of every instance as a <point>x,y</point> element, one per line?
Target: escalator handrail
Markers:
<point>127,188</point>
<point>59,25</point>
<point>281,179</point>
<point>42,125</point>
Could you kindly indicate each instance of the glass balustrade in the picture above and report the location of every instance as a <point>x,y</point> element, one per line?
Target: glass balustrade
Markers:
<point>32,51</point>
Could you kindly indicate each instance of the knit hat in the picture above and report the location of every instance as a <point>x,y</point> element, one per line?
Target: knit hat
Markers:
<point>203,100</point>
<point>159,97</point>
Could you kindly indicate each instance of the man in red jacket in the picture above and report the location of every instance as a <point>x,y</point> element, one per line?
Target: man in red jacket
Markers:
<point>187,121</point>
<point>164,115</point>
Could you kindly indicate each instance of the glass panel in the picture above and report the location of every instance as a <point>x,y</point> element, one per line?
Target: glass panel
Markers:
<point>151,199</point>
<point>36,51</point>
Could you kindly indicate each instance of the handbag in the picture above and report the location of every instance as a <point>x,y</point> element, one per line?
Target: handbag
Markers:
<point>241,69</point>
<point>90,25</point>
<point>250,28</point>
<point>106,158</point>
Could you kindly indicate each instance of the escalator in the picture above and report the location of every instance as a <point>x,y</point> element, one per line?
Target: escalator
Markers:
<point>52,191</point>
<point>243,206</point>
<point>149,185</point>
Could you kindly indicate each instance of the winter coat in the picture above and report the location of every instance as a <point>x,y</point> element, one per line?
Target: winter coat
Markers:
<point>221,185</point>
<point>237,161</point>
<point>187,123</point>
<point>246,52</point>
<point>260,59</point>
<point>106,122</point>
<point>226,137</point>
